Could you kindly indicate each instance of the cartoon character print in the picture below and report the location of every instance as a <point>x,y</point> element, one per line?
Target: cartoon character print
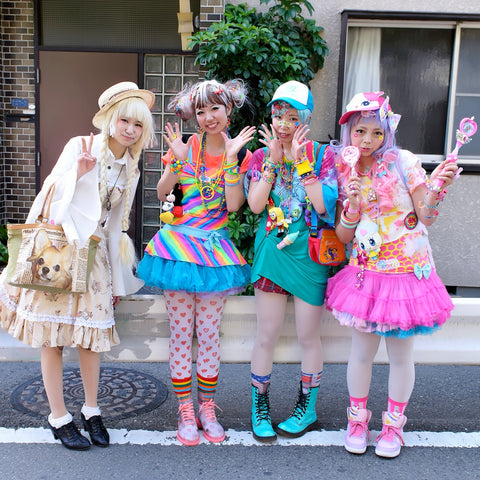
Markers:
<point>368,239</point>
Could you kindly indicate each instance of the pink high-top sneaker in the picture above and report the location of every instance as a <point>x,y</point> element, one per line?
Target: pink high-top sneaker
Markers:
<point>390,441</point>
<point>357,434</point>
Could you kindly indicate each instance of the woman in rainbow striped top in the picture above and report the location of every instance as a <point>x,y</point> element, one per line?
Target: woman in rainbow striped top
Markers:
<point>192,257</point>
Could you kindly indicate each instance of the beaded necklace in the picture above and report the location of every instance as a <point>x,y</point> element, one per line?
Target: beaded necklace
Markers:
<point>206,185</point>
<point>286,181</point>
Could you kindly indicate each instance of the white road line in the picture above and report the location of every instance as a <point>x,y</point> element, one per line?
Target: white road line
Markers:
<point>311,439</point>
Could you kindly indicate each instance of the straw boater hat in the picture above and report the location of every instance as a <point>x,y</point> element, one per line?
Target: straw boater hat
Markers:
<point>115,94</point>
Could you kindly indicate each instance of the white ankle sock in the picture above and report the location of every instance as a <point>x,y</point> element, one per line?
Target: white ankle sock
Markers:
<point>89,412</point>
<point>59,422</point>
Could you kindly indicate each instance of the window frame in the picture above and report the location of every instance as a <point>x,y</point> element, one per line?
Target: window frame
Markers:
<point>452,21</point>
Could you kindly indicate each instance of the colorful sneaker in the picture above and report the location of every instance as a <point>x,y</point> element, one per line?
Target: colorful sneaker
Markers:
<point>207,421</point>
<point>390,441</point>
<point>357,434</point>
<point>187,432</point>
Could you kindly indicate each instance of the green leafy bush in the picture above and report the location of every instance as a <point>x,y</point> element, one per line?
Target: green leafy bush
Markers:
<point>264,49</point>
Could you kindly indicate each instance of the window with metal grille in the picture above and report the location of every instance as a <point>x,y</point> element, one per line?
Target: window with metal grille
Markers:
<point>165,75</point>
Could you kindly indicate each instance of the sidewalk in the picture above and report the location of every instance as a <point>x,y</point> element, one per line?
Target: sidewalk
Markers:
<point>138,396</point>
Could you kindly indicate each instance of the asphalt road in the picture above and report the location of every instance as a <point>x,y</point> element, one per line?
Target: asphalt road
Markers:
<point>445,399</point>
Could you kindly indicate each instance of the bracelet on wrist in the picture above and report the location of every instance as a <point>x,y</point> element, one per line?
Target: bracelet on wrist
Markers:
<point>347,223</point>
<point>431,207</point>
<point>268,171</point>
<point>308,178</point>
<point>232,169</point>
<point>232,182</point>
<point>176,166</point>
<point>348,209</point>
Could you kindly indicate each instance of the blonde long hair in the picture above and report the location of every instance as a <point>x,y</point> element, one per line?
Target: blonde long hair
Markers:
<point>132,107</point>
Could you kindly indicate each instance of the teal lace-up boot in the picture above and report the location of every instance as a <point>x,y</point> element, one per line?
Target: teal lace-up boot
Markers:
<point>303,418</point>
<point>261,422</point>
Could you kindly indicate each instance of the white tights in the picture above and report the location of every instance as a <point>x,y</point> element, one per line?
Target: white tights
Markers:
<point>271,311</point>
<point>402,369</point>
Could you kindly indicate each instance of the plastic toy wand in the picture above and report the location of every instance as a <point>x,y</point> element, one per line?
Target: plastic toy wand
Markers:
<point>465,131</point>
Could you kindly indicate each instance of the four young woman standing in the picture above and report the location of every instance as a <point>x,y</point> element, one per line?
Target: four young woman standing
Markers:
<point>389,288</point>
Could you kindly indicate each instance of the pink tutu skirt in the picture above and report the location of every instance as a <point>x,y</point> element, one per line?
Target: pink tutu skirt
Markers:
<point>398,305</point>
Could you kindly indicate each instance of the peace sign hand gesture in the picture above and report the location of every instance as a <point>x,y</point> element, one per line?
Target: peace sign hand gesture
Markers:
<point>86,161</point>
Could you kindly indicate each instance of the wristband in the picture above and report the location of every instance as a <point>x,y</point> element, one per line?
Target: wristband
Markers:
<point>232,169</point>
<point>176,166</point>
<point>308,179</point>
<point>268,171</point>
<point>345,222</point>
<point>350,210</point>
<point>232,182</point>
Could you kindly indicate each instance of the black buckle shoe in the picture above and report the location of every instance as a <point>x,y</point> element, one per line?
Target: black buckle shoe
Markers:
<point>70,436</point>
<point>97,431</point>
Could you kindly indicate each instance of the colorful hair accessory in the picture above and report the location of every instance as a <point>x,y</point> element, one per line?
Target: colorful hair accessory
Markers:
<point>279,108</point>
<point>385,109</point>
<point>368,113</point>
<point>368,103</point>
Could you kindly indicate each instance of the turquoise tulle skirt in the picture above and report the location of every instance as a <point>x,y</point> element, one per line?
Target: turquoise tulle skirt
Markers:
<point>190,277</point>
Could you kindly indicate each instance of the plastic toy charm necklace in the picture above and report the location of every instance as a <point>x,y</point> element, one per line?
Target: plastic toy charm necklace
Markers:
<point>286,181</point>
<point>206,185</point>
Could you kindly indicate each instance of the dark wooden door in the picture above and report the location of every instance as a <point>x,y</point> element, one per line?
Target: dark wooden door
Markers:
<point>70,84</point>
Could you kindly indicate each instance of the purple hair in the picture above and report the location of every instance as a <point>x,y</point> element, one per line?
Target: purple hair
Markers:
<point>382,179</point>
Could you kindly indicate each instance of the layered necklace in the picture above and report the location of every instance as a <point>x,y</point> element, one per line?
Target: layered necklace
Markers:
<point>206,185</point>
<point>286,183</point>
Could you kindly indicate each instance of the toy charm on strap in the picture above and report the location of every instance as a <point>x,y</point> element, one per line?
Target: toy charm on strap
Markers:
<point>465,131</point>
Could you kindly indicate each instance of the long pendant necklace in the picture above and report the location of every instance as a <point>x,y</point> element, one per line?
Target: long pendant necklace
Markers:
<point>107,203</point>
<point>206,185</point>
